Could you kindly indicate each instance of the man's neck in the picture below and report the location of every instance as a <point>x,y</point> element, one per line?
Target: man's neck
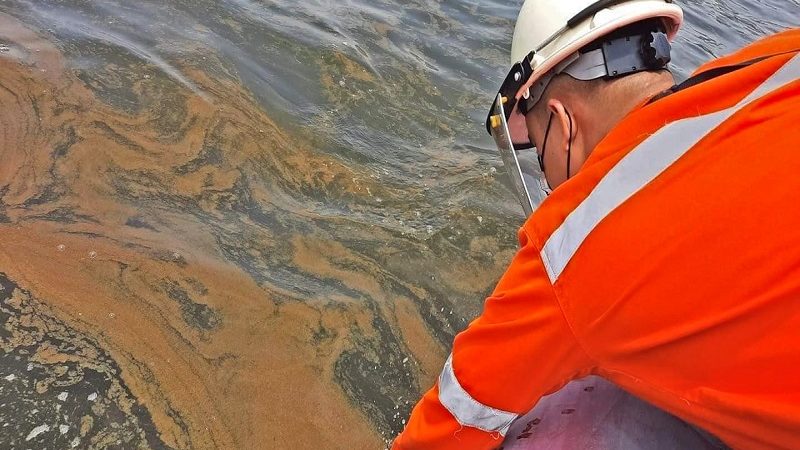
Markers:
<point>625,97</point>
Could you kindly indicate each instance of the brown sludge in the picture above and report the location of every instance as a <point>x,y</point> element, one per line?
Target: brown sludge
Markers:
<point>153,238</point>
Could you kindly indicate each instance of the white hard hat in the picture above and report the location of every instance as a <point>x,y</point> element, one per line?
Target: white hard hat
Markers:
<point>586,39</point>
<point>549,34</point>
<point>555,29</point>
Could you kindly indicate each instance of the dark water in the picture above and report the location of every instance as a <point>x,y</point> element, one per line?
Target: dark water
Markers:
<point>253,224</point>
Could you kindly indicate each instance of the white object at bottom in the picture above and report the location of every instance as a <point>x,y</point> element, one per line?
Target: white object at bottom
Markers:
<point>593,413</point>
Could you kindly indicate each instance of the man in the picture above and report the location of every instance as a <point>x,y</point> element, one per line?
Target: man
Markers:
<point>666,259</point>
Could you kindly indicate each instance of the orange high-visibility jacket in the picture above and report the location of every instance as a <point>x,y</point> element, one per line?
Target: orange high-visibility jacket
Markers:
<point>669,264</point>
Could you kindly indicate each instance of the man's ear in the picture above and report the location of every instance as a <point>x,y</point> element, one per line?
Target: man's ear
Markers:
<point>566,124</point>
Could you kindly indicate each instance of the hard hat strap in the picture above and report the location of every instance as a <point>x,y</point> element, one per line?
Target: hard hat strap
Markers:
<point>614,58</point>
<point>624,56</point>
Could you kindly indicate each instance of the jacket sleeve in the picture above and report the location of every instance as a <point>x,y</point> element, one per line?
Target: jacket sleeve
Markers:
<point>519,349</point>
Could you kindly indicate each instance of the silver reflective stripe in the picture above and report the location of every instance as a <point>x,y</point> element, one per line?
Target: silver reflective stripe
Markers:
<point>468,411</point>
<point>641,166</point>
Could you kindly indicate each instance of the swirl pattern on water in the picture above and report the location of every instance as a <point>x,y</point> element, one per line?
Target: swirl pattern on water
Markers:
<point>269,218</point>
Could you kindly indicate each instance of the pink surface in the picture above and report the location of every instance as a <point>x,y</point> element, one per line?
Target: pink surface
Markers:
<point>594,414</point>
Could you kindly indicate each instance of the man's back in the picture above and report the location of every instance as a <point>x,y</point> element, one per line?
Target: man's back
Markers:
<point>670,264</point>
<point>687,292</point>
